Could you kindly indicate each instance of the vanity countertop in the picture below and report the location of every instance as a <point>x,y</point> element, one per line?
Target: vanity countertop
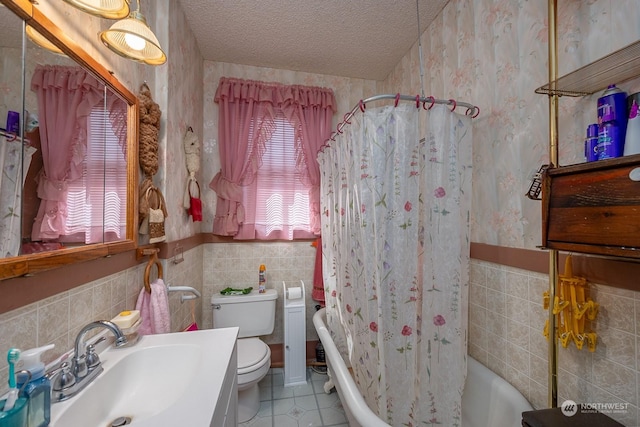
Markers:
<point>163,380</point>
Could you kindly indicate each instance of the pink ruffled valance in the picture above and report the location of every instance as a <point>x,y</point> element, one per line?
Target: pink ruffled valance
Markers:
<point>277,94</point>
<point>70,78</point>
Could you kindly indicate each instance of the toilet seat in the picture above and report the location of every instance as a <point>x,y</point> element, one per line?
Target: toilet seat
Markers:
<point>252,354</point>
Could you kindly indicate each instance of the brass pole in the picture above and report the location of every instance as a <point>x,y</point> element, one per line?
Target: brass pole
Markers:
<point>553,346</point>
<point>553,160</point>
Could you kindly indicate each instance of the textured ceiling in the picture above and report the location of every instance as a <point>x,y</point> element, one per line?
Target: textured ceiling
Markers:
<point>350,38</point>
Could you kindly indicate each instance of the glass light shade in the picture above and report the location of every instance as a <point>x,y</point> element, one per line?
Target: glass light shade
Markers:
<point>41,40</point>
<point>133,39</point>
<point>110,9</point>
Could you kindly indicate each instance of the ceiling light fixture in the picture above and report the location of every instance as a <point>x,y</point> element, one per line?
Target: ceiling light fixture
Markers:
<point>132,38</point>
<point>110,9</point>
<point>41,40</point>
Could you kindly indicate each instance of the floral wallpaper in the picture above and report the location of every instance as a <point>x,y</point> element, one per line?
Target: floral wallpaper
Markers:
<point>183,109</point>
<point>494,54</point>
<point>10,82</point>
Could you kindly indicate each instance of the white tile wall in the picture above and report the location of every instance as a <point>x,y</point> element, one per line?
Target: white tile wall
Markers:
<point>59,318</point>
<point>236,265</point>
<point>506,319</point>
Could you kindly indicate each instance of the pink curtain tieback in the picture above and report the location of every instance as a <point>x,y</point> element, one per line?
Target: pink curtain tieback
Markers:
<point>52,221</point>
<point>49,189</point>
<point>232,220</point>
<point>226,189</point>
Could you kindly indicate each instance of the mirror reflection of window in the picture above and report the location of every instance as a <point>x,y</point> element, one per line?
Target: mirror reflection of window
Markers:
<point>96,204</point>
<point>82,182</point>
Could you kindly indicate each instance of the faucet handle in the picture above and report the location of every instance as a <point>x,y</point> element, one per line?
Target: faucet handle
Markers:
<point>92,357</point>
<point>63,378</point>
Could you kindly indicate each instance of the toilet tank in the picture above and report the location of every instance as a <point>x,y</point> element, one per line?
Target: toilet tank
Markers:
<point>254,313</point>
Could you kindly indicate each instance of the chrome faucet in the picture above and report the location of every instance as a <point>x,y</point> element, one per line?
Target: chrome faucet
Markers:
<point>80,369</point>
<point>69,380</point>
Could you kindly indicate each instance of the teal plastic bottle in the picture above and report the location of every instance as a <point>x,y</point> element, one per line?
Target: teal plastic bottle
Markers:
<point>38,389</point>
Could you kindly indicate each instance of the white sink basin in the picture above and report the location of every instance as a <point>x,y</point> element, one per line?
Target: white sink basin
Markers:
<point>163,380</point>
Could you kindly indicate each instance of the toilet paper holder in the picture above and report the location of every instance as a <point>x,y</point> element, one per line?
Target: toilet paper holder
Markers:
<point>293,295</point>
<point>294,320</point>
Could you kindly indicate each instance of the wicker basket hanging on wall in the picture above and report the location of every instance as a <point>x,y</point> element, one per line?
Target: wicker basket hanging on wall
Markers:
<point>148,154</point>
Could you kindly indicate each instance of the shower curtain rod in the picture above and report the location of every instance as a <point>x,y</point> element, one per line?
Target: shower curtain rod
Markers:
<point>427,103</point>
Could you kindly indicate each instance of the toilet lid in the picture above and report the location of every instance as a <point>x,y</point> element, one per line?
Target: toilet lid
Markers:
<point>250,352</point>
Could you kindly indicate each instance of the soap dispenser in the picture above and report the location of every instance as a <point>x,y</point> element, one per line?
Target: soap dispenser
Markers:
<point>38,389</point>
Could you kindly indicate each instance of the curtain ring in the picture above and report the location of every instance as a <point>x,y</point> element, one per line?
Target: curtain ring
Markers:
<point>397,99</point>
<point>346,118</point>
<point>417,101</point>
<point>455,104</point>
<point>470,111</point>
<point>433,102</point>
<point>361,105</point>
<point>338,128</point>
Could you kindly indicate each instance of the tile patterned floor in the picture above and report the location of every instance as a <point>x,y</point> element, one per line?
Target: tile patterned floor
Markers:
<point>298,406</point>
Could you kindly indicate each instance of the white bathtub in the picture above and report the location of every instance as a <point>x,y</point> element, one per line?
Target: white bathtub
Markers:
<point>487,400</point>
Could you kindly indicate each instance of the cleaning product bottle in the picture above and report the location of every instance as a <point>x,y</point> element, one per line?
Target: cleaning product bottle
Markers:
<point>612,122</point>
<point>632,138</point>
<point>591,143</point>
<point>262,279</point>
<point>610,144</point>
<point>38,389</point>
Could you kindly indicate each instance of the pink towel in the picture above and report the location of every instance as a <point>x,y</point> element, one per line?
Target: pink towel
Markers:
<point>318,282</point>
<point>154,310</point>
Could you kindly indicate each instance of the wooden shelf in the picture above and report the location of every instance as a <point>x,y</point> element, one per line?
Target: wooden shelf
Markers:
<point>615,68</point>
<point>593,208</point>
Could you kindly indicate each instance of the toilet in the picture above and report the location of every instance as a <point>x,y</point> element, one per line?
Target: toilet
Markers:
<point>255,315</point>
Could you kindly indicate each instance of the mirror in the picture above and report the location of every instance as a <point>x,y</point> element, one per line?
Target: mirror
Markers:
<point>68,188</point>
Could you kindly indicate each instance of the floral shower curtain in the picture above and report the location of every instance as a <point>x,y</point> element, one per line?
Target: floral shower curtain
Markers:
<point>12,152</point>
<point>395,233</point>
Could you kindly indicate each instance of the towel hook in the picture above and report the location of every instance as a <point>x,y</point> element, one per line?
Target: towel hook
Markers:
<point>153,260</point>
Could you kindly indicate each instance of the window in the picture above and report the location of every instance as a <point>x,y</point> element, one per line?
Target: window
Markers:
<point>96,203</point>
<point>269,135</point>
<point>277,201</point>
